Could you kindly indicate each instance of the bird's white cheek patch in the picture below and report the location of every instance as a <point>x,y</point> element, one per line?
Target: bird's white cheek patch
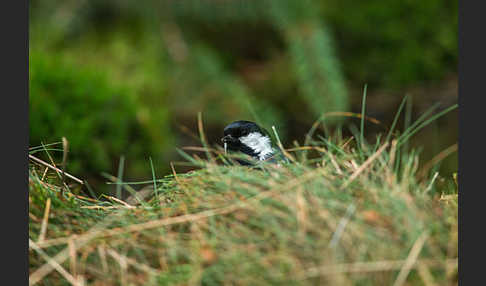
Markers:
<point>258,143</point>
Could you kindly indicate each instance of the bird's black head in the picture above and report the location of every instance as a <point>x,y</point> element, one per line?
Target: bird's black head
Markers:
<point>249,138</point>
<point>242,128</point>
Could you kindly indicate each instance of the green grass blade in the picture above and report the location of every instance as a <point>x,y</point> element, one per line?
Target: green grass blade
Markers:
<point>363,107</point>
<point>153,179</point>
<point>406,136</point>
<point>121,165</point>
<point>395,120</point>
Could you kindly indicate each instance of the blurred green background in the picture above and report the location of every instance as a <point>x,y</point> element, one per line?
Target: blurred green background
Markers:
<point>120,77</point>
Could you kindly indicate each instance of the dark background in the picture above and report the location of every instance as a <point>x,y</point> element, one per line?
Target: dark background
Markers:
<point>128,78</point>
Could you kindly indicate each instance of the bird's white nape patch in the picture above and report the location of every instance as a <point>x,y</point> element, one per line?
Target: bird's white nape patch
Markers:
<point>259,143</point>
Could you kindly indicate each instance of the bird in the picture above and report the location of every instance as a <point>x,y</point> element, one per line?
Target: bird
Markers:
<point>249,138</point>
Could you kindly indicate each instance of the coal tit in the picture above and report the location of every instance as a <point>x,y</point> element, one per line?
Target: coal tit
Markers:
<point>249,138</point>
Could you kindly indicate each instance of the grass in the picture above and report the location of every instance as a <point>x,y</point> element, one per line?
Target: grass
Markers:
<point>345,212</point>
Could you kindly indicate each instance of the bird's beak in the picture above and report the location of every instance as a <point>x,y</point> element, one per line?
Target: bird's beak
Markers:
<point>227,139</point>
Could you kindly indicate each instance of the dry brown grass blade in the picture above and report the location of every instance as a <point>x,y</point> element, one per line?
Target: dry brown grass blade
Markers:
<point>102,254</point>
<point>45,221</point>
<point>432,182</point>
<point>121,202</point>
<point>34,278</point>
<point>33,217</point>
<point>107,207</point>
<point>198,148</point>
<point>82,197</point>
<point>131,262</point>
<point>44,174</point>
<point>371,266</point>
<point>65,149</point>
<point>177,178</point>
<point>335,164</point>
<point>342,225</point>
<point>426,275</point>
<point>54,168</point>
<point>354,164</point>
<point>452,248</point>
<point>352,114</point>
<point>279,144</point>
<point>364,165</point>
<point>60,173</point>
<point>393,153</point>
<point>72,257</point>
<point>302,148</point>
<point>188,131</point>
<point>135,197</point>
<point>301,212</point>
<point>122,261</point>
<point>169,221</point>
<point>347,142</point>
<point>411,259</point>
<point>52,242</point>
<point>437,158</point>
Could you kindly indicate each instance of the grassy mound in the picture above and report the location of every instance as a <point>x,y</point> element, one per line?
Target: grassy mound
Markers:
<point>342,213</point>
